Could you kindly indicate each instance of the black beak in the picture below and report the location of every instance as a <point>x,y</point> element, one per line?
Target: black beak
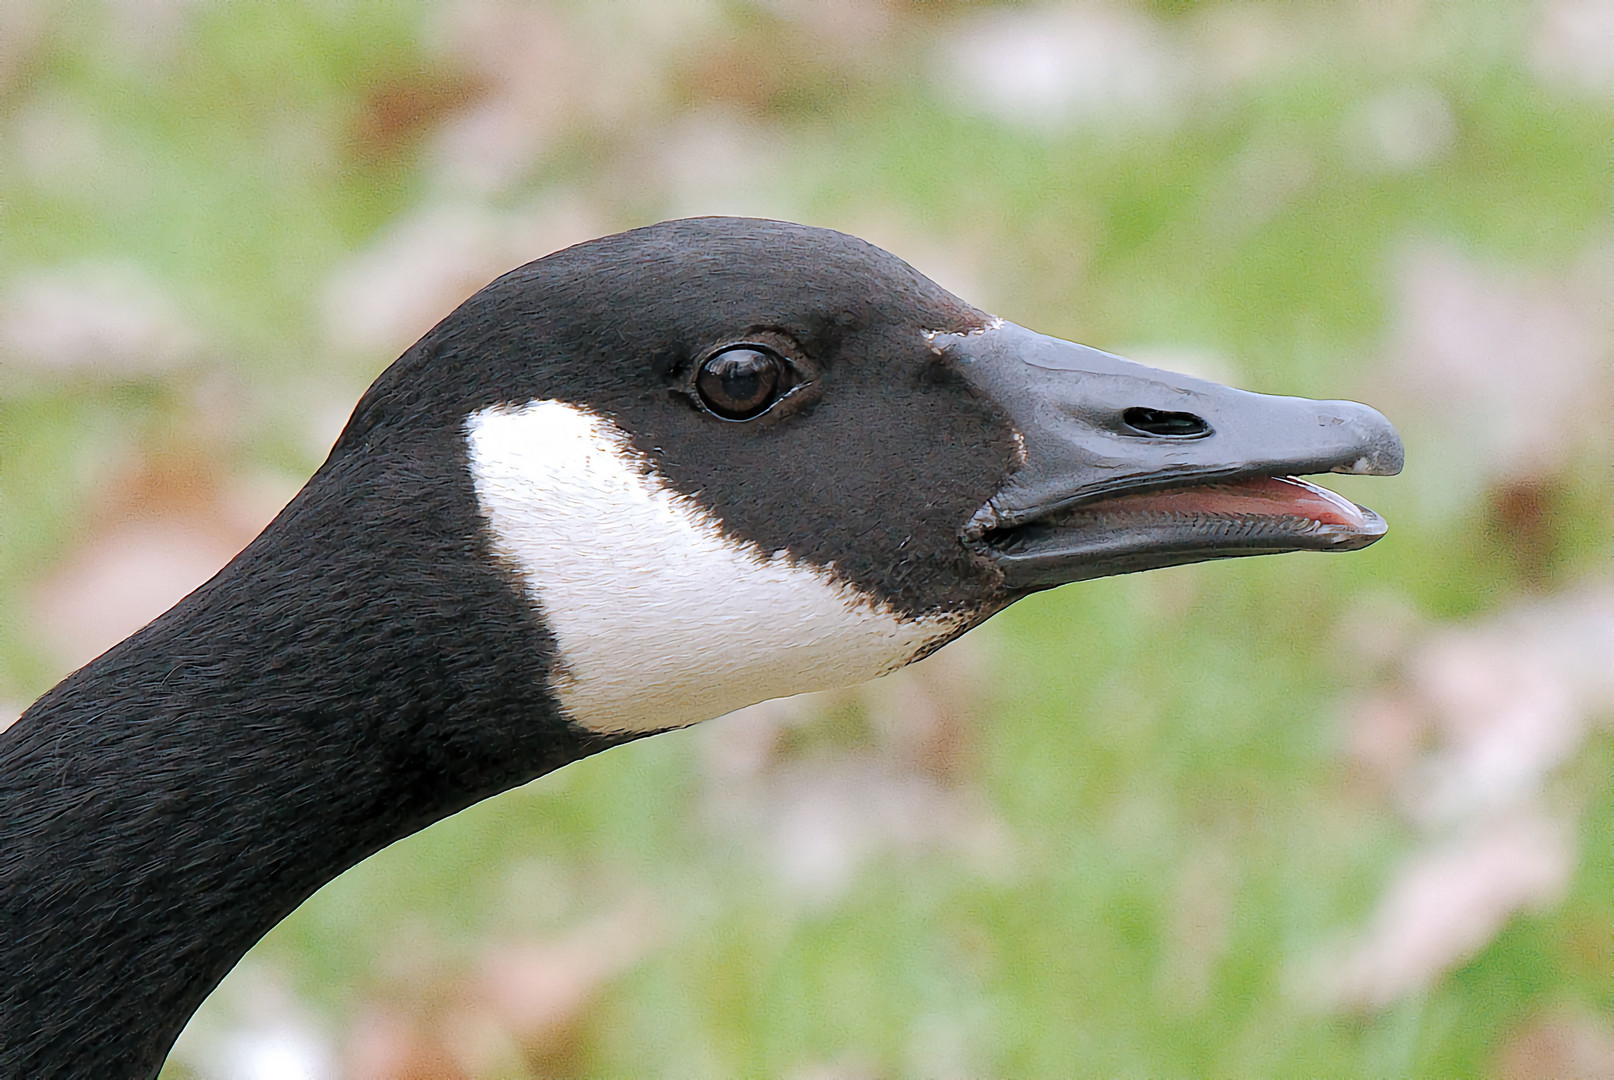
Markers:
<point>1127,467</point>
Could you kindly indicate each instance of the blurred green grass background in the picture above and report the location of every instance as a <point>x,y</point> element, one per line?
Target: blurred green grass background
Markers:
<point>1305,815</point>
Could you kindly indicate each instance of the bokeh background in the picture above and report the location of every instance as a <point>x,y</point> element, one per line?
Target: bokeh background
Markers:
<point>1304,815</point>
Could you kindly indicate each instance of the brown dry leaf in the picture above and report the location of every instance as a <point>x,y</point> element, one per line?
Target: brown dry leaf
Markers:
<point>1466,741</point>
<point>162,534</point>
<point>1563,1043</point>
<point>516,1010</point>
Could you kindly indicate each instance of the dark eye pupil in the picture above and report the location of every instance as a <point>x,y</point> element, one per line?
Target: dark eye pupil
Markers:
<point>739,383</point>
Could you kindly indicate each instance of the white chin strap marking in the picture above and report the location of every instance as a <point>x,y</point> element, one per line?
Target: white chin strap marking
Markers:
<point>660,618</point>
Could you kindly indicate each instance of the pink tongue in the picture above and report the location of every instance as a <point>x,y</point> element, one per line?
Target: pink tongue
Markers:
<point>1261,496</point>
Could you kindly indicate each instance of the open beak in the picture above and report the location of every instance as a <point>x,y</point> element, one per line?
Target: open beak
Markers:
<point>1127,467</point>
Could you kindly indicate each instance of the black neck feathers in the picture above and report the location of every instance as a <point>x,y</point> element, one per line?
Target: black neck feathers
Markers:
<point>357,673</point>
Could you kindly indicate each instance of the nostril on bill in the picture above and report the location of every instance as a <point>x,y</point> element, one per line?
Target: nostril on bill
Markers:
<point>1165,425</point>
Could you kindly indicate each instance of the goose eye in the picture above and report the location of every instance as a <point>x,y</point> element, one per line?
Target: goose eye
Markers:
<point>740,383</point>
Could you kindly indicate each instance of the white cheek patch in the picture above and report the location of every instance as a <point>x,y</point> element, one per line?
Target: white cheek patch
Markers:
<point>661,619</point>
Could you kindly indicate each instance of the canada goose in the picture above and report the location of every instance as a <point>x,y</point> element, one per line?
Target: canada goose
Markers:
<point>624,488</point>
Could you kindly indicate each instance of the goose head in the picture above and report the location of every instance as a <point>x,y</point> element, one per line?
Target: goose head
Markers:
<point>725,460</point>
